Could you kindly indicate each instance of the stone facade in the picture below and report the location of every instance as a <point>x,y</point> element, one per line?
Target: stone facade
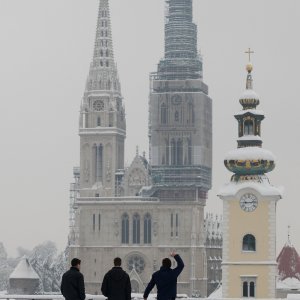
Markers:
<point>143,212</point>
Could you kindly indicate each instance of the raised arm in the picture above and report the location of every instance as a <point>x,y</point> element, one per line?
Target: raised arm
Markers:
<point>180,265</point>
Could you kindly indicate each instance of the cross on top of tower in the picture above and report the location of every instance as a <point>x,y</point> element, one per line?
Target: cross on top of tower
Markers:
<point>249,52</point>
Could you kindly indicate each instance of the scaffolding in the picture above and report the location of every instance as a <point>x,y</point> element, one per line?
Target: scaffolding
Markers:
<point>74,195</point>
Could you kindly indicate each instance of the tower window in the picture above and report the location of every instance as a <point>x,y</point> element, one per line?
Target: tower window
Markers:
<point>176,116</point>
<point>98,121</point>
<point>248,287</point>
<point>249,243</point>
<point>163,114</point>
<point>136,229</point>
<point>94,222</point>
<point>99,222</point>
<point>248,127</point>
<point>125,229</point>
<point>147,229</point>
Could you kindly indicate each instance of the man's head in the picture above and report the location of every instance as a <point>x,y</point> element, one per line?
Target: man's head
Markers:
<point>75,262</point>
<point>166,262</point>
<point>117,262</point>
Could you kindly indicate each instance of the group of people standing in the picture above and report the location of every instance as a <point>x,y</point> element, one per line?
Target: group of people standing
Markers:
<point>116,282</point>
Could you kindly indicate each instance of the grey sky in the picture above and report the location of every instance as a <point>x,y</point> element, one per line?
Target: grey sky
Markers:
<point>45,50</point>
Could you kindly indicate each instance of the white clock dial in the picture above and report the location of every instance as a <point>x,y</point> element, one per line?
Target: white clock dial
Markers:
<point>248,202</point>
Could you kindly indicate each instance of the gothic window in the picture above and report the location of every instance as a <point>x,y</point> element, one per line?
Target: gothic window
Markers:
<point>98,121</point>
<point>94,222</point>
<point>106,33</point>
<point>249,243</point>
<point>99,163</point>
<point>147,229</point>
<point>248,127</point>
<point>101,52</point>
<point>111,119</point>
<point>125,229</point>
<point>136,223</point>
<point>107,63</point>
<point>99,222</point>
<point>191,114</point>
<point>109,85</point>
<point>86,119</point>
<point>173,152</point>
<point>176,116</point>
<point>172,223</point>
<point>102,33</point>
<point>101,63</point>
<point>107,53</point>
<point>189,151</point>
<point>106,43</point>
<point>167,152</point>
<point>163,114</point>
<point>179,152</point>
<point>177,225</point>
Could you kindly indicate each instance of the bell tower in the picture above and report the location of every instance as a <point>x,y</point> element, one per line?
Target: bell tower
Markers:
<point>102,126</point>
<point>249,208</point>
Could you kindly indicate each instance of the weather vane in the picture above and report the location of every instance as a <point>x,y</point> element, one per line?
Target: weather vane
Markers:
<point>249,52</point>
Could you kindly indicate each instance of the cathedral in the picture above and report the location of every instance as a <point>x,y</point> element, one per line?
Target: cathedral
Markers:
<point>156,204</point>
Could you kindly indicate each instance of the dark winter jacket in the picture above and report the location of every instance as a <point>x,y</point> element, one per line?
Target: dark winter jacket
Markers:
<point>72,285</point>
<point>116,285</point>
<point>166,281</point>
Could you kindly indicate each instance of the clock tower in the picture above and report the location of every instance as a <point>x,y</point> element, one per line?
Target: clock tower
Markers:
<point>249,208</point>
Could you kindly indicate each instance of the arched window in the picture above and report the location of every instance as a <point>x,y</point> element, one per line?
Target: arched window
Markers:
<point>173,152</point>
<point>98,121</point>
<point>163,114</point>
<point>147,229</point>
<point>252,289</point>
<point>249,243</point>
<point>248,127</point>
<point>245,289</point>
<point>167,152</point>
<point>189,151</point>
<point>136,222</point>
<point>179,152</point>
<point>248,287</point>
<point>125,229</point>
<point>99,163</point>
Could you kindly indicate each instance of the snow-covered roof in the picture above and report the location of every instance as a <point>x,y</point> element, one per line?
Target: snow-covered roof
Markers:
<point>263,187</point>
<point>250,153</point>
<point>288,262</point>
<point>217,293</point>
<point>249,137</point>
<point>24,270</point>
<point>250,111</point>
<point>249,94</point>
<point>290,283</point>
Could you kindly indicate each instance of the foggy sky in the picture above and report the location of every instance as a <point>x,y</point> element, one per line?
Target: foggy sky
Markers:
<point>45,50</point>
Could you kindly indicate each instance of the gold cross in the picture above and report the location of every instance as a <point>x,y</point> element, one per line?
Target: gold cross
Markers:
<point>249,52</point>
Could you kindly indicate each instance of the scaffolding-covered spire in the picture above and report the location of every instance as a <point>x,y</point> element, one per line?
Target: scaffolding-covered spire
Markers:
<point>103,72</point>
<point>181,56</point>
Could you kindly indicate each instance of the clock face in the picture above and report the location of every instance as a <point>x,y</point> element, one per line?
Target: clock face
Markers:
<point>176,99</point>
<point>248,202</point>
<point>98,105</point>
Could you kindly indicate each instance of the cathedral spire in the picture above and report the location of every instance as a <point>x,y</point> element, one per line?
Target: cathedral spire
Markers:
<point>182,60</point>
<point>103,73</point>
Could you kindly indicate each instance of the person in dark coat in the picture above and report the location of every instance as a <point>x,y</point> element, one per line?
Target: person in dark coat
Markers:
<point>116,283</point>
<point>166,279</point>
<point>72,283</point>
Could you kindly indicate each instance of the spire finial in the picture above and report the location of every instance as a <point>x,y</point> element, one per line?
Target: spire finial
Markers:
<point>249,66</point>
<point>289,235</point>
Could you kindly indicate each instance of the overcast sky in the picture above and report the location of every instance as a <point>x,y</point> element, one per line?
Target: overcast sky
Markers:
<point>45,50</point>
